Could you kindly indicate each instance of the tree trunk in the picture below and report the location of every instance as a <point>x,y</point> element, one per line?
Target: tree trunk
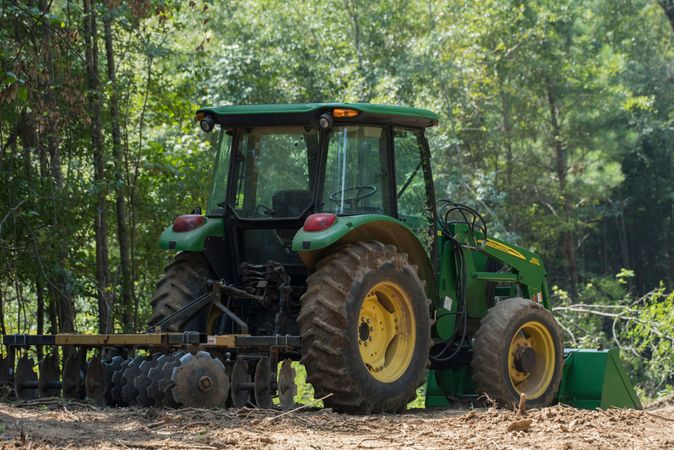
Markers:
<point>622,235</point>
<point>668,7</point>
<point>133,183</point>
<point>507,136</point>
<point>561,169</point>
<point>351,8</point>
<point>3,329</point>
<point>47,175</point>
<point>60,290</point>
<point>120,199</point>
<point>100,221</point>
<point>39,290</point>
<point>604,246</point>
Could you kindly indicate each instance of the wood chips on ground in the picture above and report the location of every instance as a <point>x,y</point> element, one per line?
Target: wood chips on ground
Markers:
<point>59,424</point>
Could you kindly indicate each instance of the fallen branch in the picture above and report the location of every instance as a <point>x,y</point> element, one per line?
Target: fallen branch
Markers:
<point>269,419</point>
<point>522,406</point>
<point>137,444</point>
<point>51,401</point>
<point>659,416</point>
<point>519,425</point>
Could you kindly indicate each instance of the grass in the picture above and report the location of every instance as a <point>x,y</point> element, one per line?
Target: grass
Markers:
<point>305,392</point>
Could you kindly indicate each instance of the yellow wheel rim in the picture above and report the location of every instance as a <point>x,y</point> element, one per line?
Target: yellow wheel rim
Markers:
<point>531,359</point>
<point>386,331</point>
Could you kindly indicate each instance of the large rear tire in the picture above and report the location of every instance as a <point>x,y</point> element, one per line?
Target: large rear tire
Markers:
<point>518,350</point>
<point>184,280</point>
<point>365,327</point>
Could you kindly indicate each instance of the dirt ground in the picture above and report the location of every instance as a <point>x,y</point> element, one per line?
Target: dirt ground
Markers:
<point>74,425</point>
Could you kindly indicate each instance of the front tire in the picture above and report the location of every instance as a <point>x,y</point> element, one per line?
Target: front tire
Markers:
<point>518,350</point>
<point>365,328</point>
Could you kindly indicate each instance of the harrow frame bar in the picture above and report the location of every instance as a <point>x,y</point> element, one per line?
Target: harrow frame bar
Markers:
<point>151,340</point>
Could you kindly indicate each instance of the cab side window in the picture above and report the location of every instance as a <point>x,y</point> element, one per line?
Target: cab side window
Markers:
<point>410,183</point>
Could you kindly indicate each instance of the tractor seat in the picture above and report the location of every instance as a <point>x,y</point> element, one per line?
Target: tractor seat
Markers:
<point>290,203</point>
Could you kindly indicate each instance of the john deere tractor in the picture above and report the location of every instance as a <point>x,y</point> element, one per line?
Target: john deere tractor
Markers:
<point>323,242</point>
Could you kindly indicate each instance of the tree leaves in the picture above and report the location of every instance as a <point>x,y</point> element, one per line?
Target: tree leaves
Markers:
<point>486,67</point>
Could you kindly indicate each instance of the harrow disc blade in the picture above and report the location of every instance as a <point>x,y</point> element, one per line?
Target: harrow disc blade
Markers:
<point>287,389</point>
<point>49,383</point>
<point>5,372</point>
<point>262,388</point>
<point>95,382</point>
<point>142,381</point>
<point>25,380</point>
<point>239,384</point>
<point>72,377</point>
<point>162,370</point>
<point>111,368</point>
<point>200,381</point>
<point>132,371</point>
<point>118,383</point>
<point>166,385</point>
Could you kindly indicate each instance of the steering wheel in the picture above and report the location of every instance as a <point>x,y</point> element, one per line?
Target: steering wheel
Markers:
<point>262,209</point>
<point>359,192</point>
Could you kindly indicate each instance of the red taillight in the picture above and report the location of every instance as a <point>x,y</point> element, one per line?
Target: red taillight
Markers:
<point>319,222</point>
<point>188,222</point>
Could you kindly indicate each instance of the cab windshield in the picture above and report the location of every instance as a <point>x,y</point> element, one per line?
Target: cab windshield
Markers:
<point>273,171</point>
<point>356,174</point>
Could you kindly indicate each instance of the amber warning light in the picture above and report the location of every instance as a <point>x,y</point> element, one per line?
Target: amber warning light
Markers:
<point>343,113</point>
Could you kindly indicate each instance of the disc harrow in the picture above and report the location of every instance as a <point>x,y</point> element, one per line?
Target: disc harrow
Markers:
<point>161,370</point>
<point>25,379</point>
<point>73,379</point>
<point>95,382</point>
<point>287,388</point>
<point>129,393</point>
<point>49,384</point>
<point>157,376</point>
<point>117,385</point>
<point>141,382</point>
<point>200,381</point>
<point>112,369</point>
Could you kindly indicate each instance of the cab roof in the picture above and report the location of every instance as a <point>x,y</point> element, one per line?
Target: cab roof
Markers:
<point>309,114</point>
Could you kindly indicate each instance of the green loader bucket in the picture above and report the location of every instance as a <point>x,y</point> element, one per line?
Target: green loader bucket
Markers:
<point>596,379</point>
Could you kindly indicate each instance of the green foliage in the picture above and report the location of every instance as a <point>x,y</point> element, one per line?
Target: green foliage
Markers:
<point>606,314</point>
<point>305,392</point>
<point>651,336</point>
<point>588,320</point>
<point>555,122</point>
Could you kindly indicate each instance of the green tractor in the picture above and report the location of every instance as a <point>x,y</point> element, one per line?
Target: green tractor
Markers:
<point>322,224</point>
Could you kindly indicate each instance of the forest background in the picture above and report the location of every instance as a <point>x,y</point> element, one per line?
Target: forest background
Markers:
<point>557,122</point>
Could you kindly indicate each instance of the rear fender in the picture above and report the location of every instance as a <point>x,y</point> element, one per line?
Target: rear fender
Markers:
<point>194,240</point>
<point>312,246</point>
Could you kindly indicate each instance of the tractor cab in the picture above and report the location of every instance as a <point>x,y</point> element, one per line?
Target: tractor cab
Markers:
<point>276,165</point>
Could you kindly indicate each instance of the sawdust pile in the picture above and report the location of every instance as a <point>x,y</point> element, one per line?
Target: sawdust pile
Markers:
<point>73,425</point>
